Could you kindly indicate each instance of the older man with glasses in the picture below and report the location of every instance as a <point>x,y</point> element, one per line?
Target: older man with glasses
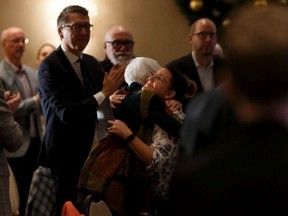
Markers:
<point>118,46</point>
<point>17,77</point>
<point>119,49</point>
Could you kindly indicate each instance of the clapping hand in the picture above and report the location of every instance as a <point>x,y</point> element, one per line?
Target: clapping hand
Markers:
<point>12,100</point>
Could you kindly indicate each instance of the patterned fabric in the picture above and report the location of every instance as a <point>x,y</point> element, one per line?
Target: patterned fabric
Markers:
<point>10,140</point>
<point>103,162</point>
<point>41,200</point>
<point>164,161</point>
<point>5,205</point>
<point>111,158</point>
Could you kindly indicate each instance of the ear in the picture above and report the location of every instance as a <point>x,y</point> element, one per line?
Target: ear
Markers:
<point>190,38</point>
<point>60,32</point>
<point>169,95</point>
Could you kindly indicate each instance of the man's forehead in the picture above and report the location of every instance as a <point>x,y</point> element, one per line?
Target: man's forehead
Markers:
<point>121,35</point>
<point>205,24</point>
<point>16,34</point>
<point>77,17</point>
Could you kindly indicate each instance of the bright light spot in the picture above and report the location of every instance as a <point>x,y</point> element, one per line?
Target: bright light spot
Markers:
<point>54,8</point>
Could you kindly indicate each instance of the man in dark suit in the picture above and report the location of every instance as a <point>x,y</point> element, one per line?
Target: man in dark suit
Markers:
<point>70,93</point>
<point>200,65</point>
<point>235,139</point>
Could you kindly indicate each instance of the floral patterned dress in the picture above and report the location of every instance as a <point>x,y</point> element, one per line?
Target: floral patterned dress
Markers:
<point>164,160</point>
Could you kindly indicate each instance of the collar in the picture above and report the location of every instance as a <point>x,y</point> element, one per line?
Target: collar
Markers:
<point>70,56</point>
<point>197,64</point>
<point>14,67</point>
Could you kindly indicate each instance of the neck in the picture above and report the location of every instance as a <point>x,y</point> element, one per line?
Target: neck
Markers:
<point>16,62</point>
<point>73,50</point>
<point>204,60</point>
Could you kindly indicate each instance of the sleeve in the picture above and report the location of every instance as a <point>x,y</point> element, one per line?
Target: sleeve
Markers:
<point>10,132</point>
<point>164,120</point>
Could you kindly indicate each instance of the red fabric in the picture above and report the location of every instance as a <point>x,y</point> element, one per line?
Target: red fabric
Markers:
<point>70,210</point>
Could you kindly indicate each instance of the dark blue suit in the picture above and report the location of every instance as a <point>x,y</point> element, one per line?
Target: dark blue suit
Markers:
<point>70,113</point>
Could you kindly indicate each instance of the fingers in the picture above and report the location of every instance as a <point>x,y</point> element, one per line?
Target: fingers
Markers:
<point>7,95</point>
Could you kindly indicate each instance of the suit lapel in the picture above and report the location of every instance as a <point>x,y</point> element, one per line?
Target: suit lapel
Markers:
<point>11,78</point>
<point>69,70</point>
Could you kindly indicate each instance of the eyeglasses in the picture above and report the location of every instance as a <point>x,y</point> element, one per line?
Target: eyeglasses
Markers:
<point>117,44</point>
<point>159,79</point>
<point>204,35</point>
<point>79,27</point>
<point>19,40</point>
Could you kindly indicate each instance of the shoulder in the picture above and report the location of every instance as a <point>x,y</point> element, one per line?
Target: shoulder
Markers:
<point>106,64</point>
<point>181,60</point>
<point>29,70</point>
<point>92,64</point>
<point>4,66</point>
<point>219,61</point>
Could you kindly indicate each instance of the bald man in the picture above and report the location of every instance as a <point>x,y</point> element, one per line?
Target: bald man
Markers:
<point>17,77</point>
<point>118,46</point>
<point>201,65</point>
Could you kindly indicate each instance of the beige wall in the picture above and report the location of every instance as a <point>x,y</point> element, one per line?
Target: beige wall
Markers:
<point>160,30</point>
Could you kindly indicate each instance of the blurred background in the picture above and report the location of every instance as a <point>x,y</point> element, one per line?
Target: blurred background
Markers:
<point>160,27</point>
<point>160,30</point>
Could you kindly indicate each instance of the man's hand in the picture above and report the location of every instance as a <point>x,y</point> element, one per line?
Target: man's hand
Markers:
<point>13,100</point>
<point>116,98</point>
<point>113,80</point>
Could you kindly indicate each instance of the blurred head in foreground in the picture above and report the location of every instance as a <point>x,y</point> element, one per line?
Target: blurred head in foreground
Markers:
<point>256,45</point>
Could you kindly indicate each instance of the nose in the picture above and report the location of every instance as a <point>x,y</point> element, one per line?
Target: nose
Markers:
<point>151,78</point>
<point>123,47</point>
<point>208,38</point>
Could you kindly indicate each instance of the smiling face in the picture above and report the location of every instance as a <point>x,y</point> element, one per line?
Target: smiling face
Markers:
<point>160,84</point>
<point>75,40</point>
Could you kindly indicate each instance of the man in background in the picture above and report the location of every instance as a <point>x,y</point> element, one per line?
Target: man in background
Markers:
<point>200,64</point>
<point>235,139</point>
<point>119,47</point>
<point>17,77</point>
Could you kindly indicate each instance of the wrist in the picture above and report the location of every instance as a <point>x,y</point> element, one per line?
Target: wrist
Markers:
<point>129,138</point>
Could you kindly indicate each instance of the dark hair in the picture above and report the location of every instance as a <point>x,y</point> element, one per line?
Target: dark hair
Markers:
<point>63,16</point>
<point>182,85</point>
<point>42,46</point>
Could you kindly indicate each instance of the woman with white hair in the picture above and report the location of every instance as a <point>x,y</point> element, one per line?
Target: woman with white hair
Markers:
<point>144,113</point>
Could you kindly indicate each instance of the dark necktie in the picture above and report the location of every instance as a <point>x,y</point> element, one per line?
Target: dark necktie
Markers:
<point>86,82</point>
